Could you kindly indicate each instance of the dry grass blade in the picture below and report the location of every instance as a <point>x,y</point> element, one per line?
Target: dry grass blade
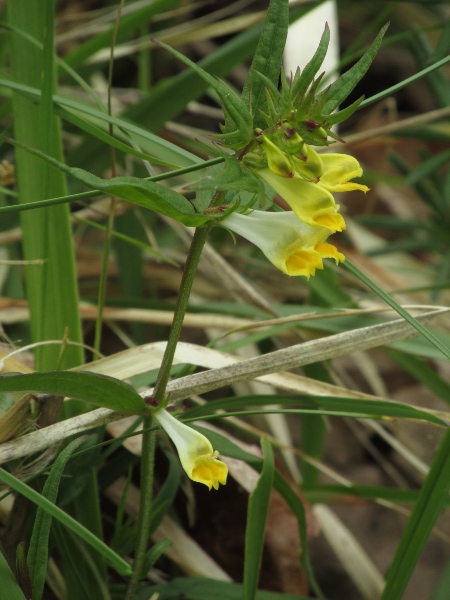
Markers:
<point>297,356</point>
<point>280,360</point>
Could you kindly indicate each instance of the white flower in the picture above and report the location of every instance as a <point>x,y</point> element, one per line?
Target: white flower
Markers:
<point>291,245</point>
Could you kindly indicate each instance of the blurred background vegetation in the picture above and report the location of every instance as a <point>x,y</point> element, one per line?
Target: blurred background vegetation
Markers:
<point>360,477</point>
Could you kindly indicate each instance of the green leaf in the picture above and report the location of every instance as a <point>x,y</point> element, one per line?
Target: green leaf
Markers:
<point>231,178</point>
<point>267,58</point>
<point>240,131</point>
<point>110,140</point>
<point>228,448</point>
<point>431,337</point>
<point>302,82</point>
<point>38,550</point>
<point>429,504</point>
<point>142,192</point>
<point>98,390</point>
<point>316,404</point>
<point>398,86</point>
<point>153,555</point>
<point>345,113</point>
<point>167,492</point>
<point>258,508</point>
<point>424,373</point>
<point>9,588</point>
<point>120,565</point>
<point>341,88</point>
<point>200,588</point>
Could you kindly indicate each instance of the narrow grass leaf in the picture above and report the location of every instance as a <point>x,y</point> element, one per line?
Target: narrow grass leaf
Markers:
<point>429,504</point>
<point>128,25</point>
<point>428,167</point>
<point>320,404</point>
<point>170,153</point>
<point>9,588</point>
<point>440,592</point>
<point>229,448</point>
<point>424,373</point>
<point>120,565</point>
<point>99,390</point>
<point>389,91</point>
<point>200,588</point>
<point>153,555</point>
<point>167,492</point>
<point>258,508</point>
<point>38,549</point>
<point>81,574</point>
<point>337,494</point>
<point>401,311</point>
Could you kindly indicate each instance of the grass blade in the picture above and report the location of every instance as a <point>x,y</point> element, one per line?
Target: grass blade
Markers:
<point>258,507</point>
<point>120,565</point>
<point>38,550</point>
<point>9,589</point>
<point>429,504</point>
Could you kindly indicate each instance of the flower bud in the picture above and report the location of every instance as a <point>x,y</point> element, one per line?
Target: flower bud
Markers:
<point>277,161</point>
<point>308,164</point>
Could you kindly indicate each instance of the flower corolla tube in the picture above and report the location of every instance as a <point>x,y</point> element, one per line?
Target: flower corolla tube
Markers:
<point>296,248</point>
<point>196,453</point>
<point>307,184</point>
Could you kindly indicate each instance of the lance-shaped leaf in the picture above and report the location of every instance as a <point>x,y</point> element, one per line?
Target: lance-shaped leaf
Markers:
<point>144,193</point>
<point>239,131</point>
<point>302,81</point>
<point>267,59</point>
<point>98,390</point>
<point>341,88</point>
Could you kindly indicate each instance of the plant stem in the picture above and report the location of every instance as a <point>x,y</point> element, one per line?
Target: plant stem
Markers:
<point>190,269</point>
<point>145,507</point>
<point>148,434</point>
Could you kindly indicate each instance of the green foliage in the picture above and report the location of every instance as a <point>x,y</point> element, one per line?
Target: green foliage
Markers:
<point>37,556</point>
<point>116,562</point>
<point>10,589</point>
<point>267,59</point>
<point>429,504</point>
<point>258,506</point>
<point>98,390</point>
<point>199,588</point>
<point>225,296</point>
<point>238,130</point>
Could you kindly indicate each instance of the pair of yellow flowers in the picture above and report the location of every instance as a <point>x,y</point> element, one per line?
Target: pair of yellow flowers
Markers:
<point>294,241</point>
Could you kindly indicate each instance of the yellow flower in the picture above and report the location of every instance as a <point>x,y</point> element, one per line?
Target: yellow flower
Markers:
<point>312,203</point>
<point>338,170</point>
<point>197,456</point>
<point>308,194</point>
<point>291,245</point>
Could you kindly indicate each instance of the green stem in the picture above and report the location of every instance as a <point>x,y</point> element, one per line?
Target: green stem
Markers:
<point>149,435</point>
<point>145,508</point>
<point>190,269</point>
